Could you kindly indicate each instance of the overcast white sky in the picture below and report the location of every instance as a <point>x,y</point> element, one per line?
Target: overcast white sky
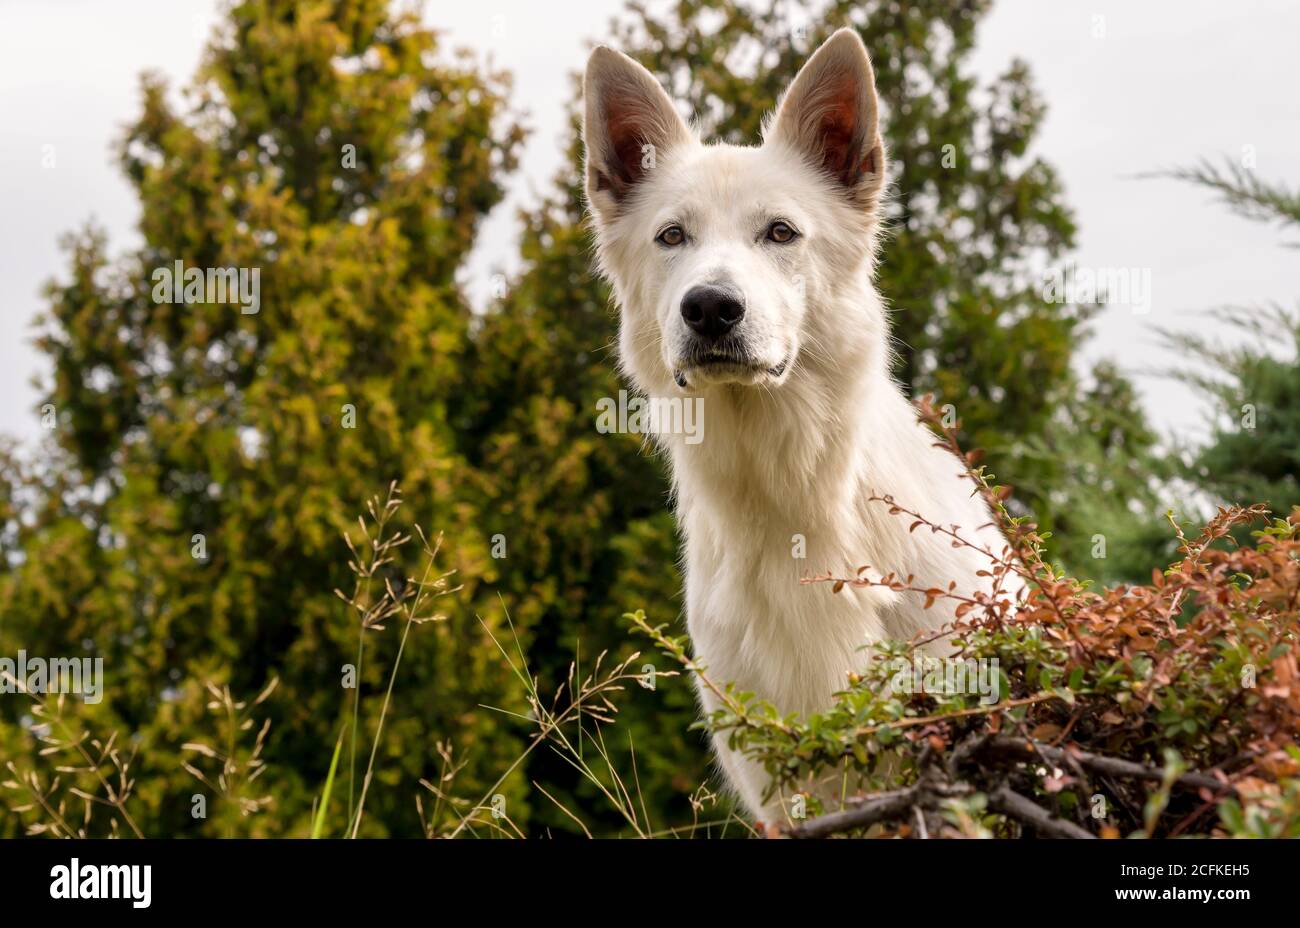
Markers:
<point>1168,82</point>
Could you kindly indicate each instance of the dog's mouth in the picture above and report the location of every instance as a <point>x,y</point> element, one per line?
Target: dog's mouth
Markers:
<point>724,366</point>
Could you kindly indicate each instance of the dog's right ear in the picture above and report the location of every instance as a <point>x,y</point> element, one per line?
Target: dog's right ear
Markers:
<point>628,124</point>
<point>830,115</point>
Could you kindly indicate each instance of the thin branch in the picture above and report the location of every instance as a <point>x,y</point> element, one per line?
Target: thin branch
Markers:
<point>1027,812</point>
<point>1023,749</point>
<point>879,808</point>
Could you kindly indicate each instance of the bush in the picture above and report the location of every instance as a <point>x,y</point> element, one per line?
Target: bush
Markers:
<point>1165,709</point>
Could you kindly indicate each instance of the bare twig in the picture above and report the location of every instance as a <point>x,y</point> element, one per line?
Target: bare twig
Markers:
<point>1027,812</point>
<point>1023,749</point>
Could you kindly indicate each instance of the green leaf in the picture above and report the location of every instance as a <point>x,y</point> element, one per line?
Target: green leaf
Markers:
<point>319,824</point>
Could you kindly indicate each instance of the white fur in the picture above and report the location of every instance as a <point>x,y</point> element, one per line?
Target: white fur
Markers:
<point>785,453</point>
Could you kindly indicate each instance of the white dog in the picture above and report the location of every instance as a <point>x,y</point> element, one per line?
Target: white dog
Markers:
<point>744,276</point>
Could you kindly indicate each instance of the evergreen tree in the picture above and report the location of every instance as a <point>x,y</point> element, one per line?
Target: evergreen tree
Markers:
<point>1254,390</point>
<point>1106,482</point>
<point>207,458</point>
<point>1252,380</point>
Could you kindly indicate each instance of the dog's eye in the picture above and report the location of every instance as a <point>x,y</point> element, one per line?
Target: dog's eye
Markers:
<point>780,232</point>
<point>671,236</point>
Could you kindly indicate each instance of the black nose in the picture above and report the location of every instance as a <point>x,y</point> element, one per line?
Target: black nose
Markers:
<point>711,310</point>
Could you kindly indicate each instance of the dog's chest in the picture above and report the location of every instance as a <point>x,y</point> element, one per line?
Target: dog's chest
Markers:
<point>754,623</point>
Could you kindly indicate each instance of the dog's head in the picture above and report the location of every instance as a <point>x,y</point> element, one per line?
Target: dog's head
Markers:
<point>720,254</point>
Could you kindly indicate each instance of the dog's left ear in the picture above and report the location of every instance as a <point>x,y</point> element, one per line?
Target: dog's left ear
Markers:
<point>830,115</point>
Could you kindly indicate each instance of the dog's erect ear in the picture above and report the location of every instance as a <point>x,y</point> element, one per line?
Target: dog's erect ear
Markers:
<point>629,123</point>
<point>830,115</point>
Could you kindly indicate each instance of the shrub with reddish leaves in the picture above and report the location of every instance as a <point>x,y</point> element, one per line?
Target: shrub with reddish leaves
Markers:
<point>1161,710</point>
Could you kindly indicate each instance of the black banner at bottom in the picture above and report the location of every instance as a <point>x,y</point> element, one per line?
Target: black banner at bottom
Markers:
<point>139,878</point>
